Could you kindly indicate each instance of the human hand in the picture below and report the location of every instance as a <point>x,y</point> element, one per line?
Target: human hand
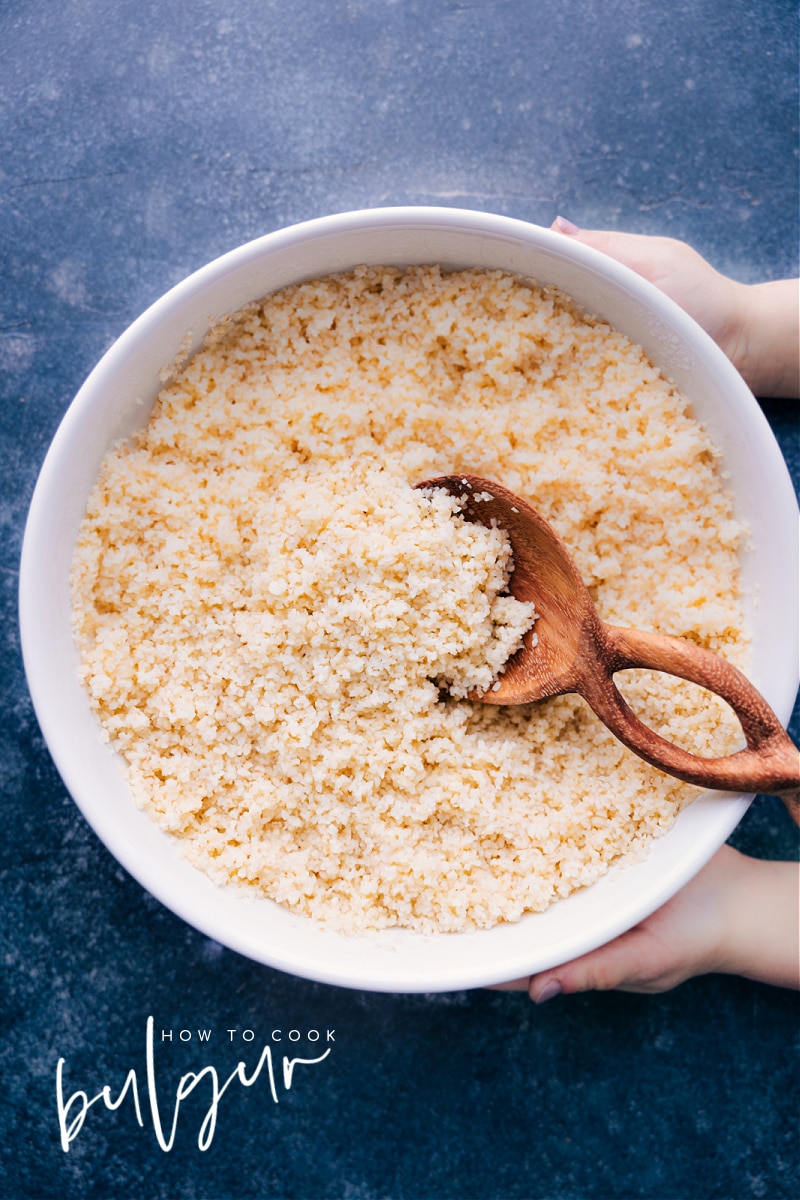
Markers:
<point>737,916</point>
<point>755,325</point>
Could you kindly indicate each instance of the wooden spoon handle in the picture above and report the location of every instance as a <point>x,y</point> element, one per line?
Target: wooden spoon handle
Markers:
<point>771,763</point>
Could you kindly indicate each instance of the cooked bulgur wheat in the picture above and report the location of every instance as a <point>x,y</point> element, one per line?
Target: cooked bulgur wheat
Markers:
<point>265,607</point>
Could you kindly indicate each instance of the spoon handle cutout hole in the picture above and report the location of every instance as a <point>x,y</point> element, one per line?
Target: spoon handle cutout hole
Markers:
<point>770,763</point>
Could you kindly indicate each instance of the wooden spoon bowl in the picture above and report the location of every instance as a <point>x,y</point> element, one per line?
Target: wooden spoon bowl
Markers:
<point>577,652</point>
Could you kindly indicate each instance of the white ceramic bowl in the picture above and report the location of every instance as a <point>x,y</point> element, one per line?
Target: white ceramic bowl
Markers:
<point>115,401</point>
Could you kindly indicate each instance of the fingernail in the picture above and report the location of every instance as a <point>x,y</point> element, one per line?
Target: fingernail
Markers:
<point>553,988</point>
<point>564,226</point>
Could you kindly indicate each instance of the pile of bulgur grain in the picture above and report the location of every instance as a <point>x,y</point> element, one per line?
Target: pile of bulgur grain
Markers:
<point>266,610</point>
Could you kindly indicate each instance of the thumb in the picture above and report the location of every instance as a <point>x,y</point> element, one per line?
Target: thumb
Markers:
<point>632,962</point>
<point>634,250</point>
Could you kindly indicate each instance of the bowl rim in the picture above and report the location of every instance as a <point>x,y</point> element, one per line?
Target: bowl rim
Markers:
<point>214,922</point>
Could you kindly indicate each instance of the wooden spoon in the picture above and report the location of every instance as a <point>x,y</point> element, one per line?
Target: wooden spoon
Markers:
<point>577,652</point>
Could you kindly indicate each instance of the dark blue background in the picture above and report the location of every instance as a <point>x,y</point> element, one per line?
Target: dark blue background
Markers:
<point>139,139</point>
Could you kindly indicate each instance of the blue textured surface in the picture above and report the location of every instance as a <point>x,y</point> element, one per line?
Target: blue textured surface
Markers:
<point>139,139</point>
